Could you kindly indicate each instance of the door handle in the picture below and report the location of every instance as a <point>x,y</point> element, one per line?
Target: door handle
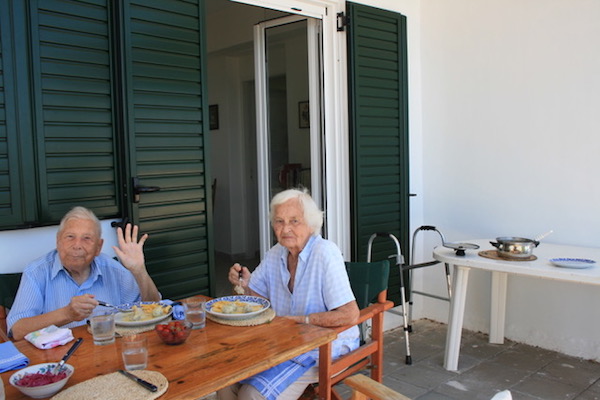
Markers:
<point>138,189</point>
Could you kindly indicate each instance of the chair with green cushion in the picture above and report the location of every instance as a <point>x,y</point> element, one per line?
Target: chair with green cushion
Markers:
<point>9,283</point>
<point>369,281</point>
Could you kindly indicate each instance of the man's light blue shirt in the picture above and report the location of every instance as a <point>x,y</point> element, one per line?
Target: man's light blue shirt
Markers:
<point>321,284</point>
<point>46,286</point>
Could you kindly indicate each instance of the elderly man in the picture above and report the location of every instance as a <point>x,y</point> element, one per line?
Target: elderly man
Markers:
<point>62,288</point>
<point>304,277</point>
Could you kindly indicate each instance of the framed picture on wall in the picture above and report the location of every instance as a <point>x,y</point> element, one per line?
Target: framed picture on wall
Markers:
<point>213,116</point>
<point>303,115</point>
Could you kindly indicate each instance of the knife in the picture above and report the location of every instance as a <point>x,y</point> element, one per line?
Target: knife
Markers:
<point>142,382</point>
<point>74,347</point>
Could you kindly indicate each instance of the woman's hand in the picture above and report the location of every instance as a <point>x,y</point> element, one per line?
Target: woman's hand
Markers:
<point>239,275</point>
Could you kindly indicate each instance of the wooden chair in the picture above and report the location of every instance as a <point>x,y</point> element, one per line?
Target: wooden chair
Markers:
<point>9,283</point>
<point>364,388</point>
<point>369,282</point>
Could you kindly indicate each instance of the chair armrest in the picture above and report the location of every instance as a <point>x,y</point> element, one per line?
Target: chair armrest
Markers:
<point>367,313</point>
<point>364,387</point>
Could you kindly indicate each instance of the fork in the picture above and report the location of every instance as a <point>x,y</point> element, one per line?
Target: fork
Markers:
<point>121,309</point>
<point>239,288</point>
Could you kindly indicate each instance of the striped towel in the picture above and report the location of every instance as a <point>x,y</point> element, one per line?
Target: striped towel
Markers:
<point>11,358</point>
<point>272,382</point>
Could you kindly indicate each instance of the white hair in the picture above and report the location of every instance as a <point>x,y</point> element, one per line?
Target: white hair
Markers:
<point>313,216</point>
<point>80,213</point>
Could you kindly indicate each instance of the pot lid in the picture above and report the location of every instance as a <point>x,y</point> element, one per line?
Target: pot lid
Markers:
<point>460,247</point>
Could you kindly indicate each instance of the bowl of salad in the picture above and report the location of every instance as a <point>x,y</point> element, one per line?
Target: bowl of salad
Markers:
<point>38,381</point>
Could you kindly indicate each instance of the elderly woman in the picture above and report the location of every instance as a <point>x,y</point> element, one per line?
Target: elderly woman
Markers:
<point>305,279</point>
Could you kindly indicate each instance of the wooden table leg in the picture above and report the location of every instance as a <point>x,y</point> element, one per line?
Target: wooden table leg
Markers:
<point>325,371</point>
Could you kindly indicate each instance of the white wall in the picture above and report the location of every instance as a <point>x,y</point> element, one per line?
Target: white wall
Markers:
<point>20,247</point>
<point>511,93</point>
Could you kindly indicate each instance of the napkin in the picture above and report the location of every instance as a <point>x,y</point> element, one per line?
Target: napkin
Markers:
<point>272,382</point>
<point>11,358</point>
<point>49,337</point>
<point>178,311</point>
<point>503,395</point>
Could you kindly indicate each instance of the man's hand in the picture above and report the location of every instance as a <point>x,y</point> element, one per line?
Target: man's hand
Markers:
<point>131,255</point>
<point>131,251</point>
<point>81,307</point>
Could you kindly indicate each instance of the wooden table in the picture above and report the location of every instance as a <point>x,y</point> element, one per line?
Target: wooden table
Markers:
<point>211,358</point>
<point>539,268</point>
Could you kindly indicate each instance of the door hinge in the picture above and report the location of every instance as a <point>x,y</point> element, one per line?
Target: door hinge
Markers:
<point>342,21</point>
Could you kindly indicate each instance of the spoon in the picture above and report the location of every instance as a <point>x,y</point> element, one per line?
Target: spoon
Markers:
<point>59,366</point>
<point>543,235</point>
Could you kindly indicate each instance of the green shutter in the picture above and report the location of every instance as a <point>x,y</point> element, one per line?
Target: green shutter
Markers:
<point>379,133</point>
<point>74,101</point>
<point>167,132</point>
<point>10,208</point>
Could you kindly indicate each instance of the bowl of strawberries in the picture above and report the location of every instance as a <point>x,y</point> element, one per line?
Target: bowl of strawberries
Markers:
<point>174,332</point>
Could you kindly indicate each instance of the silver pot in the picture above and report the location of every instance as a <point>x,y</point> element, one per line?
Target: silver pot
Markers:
<point>515,247</point>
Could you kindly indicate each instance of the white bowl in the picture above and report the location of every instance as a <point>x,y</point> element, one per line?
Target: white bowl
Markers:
<point>44,391</point>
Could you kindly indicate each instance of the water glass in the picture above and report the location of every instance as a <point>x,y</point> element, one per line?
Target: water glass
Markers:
<point>103,328</point>
<point>195,312</point>
<point>134,349</point>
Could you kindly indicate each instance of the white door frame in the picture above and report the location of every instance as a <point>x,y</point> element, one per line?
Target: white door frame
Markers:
<point>262,118</point>
<point>335,115</point>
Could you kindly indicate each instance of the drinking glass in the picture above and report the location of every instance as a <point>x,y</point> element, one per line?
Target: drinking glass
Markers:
<point>195,312</point>
<point>103,328</point>
<point>134,349</point>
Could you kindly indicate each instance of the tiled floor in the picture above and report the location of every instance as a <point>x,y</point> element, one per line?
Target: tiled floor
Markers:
<point>484,368</point>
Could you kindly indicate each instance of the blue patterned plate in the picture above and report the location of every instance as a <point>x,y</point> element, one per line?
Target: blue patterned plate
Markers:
<point>250,300</point>
<point>123,318</point>
<point>577,263</point>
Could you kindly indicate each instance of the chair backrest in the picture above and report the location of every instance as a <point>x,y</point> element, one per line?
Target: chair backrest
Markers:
<point>9,283</point>
<point>368,280</point>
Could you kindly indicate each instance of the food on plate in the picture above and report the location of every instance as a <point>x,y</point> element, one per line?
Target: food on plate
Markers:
<point>41,379</point>
<point>145,312</point>
<point>239,289</point>
<point>175,332</point>
<point>235,307</point>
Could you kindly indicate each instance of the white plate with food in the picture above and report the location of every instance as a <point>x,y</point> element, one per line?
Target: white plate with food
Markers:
<point>577,263</point>
<point>143,313</point>
<point>237,307</point>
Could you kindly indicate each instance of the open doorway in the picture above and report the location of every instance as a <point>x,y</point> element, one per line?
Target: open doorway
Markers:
<point>239,170</point>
